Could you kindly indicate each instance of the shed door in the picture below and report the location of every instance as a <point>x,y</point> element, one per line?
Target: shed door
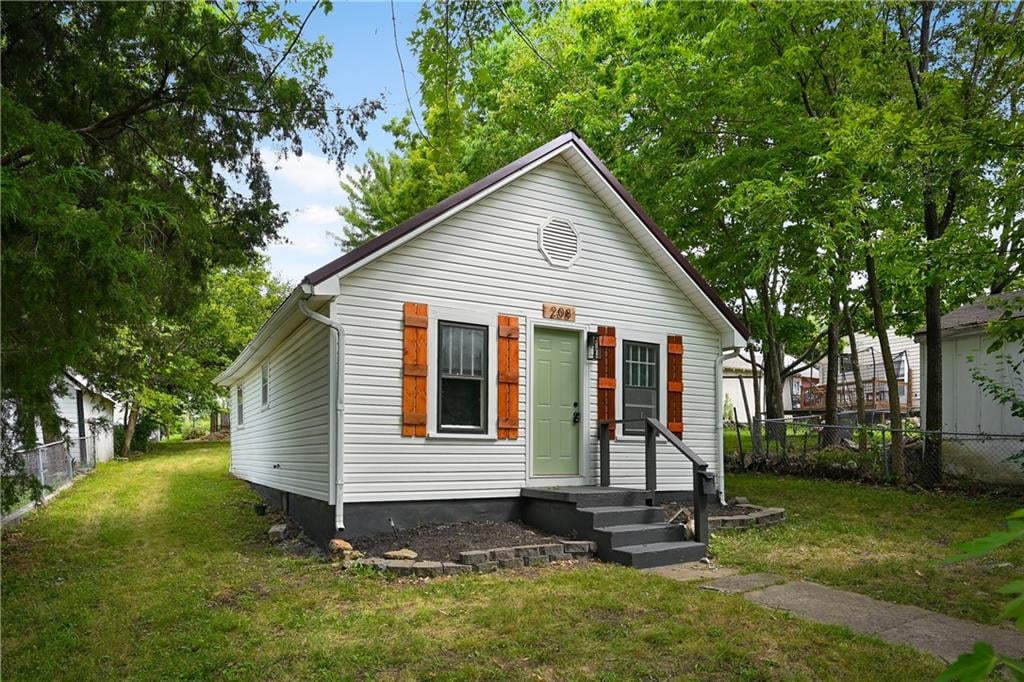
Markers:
<point>556,398</point>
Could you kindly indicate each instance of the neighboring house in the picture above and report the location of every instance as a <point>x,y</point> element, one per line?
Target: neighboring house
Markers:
<point>738,386</point>
<point>88,415</point>
<point>906,359</point>
<point>967,410</point>
<point>438,370</point>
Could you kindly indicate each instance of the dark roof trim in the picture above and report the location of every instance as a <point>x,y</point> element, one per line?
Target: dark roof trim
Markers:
<point>382,241</point>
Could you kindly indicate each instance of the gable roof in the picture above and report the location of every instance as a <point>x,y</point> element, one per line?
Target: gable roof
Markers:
<point>568,142</point>
<point>317,287</point>
<point>980,311</point>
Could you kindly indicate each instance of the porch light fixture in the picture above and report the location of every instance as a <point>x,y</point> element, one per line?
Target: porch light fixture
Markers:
<point>592,346</point>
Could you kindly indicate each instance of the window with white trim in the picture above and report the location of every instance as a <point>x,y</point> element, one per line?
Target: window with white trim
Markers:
<point>639,384</point>
<point>461,377</point>
<point>265,384</point>
<point>238,404</point>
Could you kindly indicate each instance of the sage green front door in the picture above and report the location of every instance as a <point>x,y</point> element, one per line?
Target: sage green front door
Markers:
<point>556,397</point>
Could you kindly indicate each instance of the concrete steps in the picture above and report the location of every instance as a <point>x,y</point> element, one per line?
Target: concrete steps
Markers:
<point>626,530</point>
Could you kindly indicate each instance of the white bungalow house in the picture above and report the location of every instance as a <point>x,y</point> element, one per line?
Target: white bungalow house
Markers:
<point>980,434</point>
<point>465,358</point>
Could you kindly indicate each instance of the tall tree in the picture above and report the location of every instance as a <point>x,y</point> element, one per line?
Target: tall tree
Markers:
<point>131,164</point>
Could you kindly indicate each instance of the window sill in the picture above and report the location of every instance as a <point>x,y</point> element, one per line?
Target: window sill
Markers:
<point>460,436</point>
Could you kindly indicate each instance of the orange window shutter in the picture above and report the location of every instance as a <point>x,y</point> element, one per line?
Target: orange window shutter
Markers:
<point>508,377</point>
<point>606,376</point>
<point>414,369</point>
<point>674,417</point>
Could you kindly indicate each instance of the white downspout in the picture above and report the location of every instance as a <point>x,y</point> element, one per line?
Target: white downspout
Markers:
<point>337,392</point>
<point>719,362</point>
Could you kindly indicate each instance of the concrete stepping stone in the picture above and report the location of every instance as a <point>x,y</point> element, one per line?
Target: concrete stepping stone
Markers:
<point>747,582</point>
<point>924,630</point>
<point>691,571</point>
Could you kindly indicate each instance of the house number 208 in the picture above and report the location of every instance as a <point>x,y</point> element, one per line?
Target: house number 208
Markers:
<point>553,311</point>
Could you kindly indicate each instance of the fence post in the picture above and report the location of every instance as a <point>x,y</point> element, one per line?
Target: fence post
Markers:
<point>885,455</point>
<point>71,463</point>
<point>739,439</point>
<point>39,461</point>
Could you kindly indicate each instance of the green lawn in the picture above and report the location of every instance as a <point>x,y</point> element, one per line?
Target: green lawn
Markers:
<point>883,542</point>
<point>159,568</point>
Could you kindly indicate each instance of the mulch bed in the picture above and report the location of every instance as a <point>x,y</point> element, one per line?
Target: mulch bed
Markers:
<point>714,509</point>
<point>443,542</point>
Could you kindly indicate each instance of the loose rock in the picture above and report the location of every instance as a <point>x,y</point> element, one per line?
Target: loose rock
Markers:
<point>338,545</point>
<point>279,531</point>
<point>404,553</point>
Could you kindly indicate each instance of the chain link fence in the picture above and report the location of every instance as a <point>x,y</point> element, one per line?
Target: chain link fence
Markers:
<point>54,464</point>
<point>875,452</point>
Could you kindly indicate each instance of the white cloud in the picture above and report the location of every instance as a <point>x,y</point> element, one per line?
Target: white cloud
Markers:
<point>308,174</point>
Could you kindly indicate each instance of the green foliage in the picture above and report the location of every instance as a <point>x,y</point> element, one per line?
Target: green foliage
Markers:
<point>144,429</point>
<point>131,167</point>
<point>983,661</point>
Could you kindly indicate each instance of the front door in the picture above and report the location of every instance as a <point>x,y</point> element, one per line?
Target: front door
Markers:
<point>556,398</point>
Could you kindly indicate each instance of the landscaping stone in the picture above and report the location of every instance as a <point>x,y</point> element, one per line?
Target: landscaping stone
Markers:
<point>372,562</point>
<point>527,550</point>
<point>511,562</point>
<point>557,554</point>
<point>538,560</point>
<point>399,566</point>
<point>405,553</point>
<point>502,554</point>
<point>487,567</point>
<point>337,546</point>
<point>279,531</point>
<point>428,569</point>
<point>352,554</point>
<point>473,557</point>
<point>691,571</point>
<point>737,584</point>
<point>740,500</point>
<point>579,546</point>
<point>455,569</point>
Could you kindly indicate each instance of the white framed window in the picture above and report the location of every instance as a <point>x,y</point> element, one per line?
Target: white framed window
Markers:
<point>462,388</point>
<point>641,371</point>
<point>238,405</point>
<point>462,378</point>
<point>265,384</point>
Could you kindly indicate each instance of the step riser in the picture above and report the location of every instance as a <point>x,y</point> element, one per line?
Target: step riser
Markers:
<point>644,536</point>
<point>657,558</point>
<point>602,519</point>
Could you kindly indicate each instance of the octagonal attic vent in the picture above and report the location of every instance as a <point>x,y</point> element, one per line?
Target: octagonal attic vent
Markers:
<point>559,241</point>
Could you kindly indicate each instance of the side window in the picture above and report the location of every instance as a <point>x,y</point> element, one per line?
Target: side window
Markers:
<point>462,378</point>
<point>265,384</point>
<point>238,404</point>
<point>640,384</point>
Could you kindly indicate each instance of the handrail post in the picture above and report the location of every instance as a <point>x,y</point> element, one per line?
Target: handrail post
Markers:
<point>651,458</point>
<point>700,505</point>
<point>604,432</point>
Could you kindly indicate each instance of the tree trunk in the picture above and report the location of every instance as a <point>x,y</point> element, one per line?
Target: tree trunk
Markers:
<point>828,435</point>
<point>772,359</point>
<point>858,382</point>
<point>899,467</point>
<point>129,429</point>
<point>755,434</point>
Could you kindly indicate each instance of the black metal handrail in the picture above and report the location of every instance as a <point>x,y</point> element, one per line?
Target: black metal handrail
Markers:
<point>703,482</point>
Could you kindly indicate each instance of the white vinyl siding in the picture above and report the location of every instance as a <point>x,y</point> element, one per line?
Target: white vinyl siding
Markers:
<point>486,259</point>
<point>904,350</point>
<point>287,447</point>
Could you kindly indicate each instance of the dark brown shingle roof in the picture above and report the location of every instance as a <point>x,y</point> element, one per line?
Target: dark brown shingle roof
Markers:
<point>981,311</point>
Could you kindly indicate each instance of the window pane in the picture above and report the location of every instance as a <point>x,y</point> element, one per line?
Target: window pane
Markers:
<point>461,350</point>
<point>640,384</point>
<point>462,402</point>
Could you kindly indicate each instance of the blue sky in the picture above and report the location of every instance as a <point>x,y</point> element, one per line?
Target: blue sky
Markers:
<point>364,65</point>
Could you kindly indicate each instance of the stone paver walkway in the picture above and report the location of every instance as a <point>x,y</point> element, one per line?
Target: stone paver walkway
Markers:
<point>924,630</point>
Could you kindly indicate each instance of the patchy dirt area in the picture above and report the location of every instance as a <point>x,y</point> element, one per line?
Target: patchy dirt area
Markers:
<point>443,542</point>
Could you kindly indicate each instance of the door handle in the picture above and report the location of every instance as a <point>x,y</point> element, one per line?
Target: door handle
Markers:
<point>575,413</point>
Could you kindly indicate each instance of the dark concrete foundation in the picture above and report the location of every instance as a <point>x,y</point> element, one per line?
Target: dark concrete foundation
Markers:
<point>362,519</point>
<point>315,516</point>
<point>370,518</point>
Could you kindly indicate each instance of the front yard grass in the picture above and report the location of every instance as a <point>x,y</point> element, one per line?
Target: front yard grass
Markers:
<point>885,542</point>
<point>158,568</point>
